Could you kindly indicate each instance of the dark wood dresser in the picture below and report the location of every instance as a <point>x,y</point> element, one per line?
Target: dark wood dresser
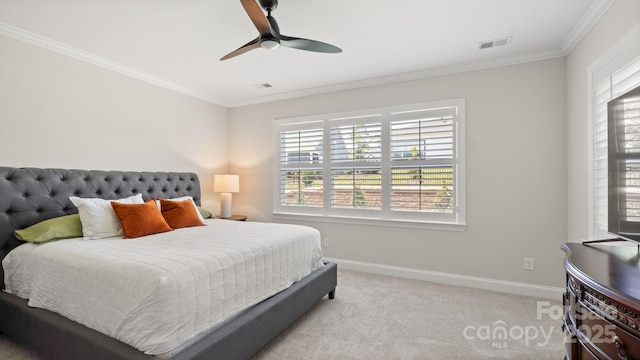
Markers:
<point>602,302</point>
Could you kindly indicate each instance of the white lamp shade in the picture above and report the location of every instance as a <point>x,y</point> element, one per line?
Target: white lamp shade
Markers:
<point>226,183</point>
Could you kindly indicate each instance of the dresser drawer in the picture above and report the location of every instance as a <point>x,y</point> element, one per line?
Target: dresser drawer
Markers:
<point>605,338</point>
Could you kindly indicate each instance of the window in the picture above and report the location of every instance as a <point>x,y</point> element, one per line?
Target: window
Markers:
<point>393,164</point>
<point>605,89</point>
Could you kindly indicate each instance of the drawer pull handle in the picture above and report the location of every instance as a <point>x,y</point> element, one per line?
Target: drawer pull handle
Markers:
<point>619,345</point>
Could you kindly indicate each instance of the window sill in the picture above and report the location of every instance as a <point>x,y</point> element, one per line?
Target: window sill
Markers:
<point>373,222</point>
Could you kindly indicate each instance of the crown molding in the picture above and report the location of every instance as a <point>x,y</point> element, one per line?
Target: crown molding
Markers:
<point>595,12</point>
<point>85,56</point>
<point>588,21</point>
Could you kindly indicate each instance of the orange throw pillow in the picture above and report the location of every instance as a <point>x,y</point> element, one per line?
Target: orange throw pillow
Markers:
<point>140,219</point>
<point>180,214</point>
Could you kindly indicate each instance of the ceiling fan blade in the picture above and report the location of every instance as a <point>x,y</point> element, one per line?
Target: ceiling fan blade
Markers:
<point>257,16</point>
<point>306,44</point>
<point>253,44</point>
<point>300,43</point>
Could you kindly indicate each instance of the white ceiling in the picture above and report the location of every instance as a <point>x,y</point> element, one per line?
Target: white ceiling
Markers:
<point>178,43</point>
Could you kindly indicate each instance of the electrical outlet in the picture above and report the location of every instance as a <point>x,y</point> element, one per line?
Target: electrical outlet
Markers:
<point>528,263</point>
<point>325,242</point>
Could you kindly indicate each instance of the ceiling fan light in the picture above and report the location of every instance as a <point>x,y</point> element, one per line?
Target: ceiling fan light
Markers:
<point>270,44</point>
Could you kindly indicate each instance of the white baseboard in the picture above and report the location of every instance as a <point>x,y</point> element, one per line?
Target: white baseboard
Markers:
<point>511,287</point>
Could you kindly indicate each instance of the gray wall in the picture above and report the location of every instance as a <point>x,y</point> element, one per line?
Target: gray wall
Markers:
<point>56,111</point>
<point>516,178</point>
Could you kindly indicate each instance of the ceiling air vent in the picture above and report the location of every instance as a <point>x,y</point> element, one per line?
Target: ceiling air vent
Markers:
<point>262,86</point>
<point>494,43</point>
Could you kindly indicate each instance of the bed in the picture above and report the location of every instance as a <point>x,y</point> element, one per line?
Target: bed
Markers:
<point>31,195</point>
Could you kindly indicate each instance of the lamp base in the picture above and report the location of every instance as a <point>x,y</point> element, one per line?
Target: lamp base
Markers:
<point>225,205</point>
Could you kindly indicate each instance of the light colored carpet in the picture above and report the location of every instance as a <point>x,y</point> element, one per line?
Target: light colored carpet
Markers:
<point>379,317</point>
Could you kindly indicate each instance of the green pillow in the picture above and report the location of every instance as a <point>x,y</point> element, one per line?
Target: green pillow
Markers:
<point>63,227</point>
<point>204,212</point>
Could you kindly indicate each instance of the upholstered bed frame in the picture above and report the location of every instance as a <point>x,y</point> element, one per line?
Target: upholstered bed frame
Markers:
<point>30,195</point>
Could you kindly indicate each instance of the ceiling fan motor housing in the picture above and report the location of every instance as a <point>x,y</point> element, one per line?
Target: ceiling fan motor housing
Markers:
<point>269,5</point>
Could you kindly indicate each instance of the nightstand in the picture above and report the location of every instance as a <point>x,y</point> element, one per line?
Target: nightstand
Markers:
<point>234,217</point>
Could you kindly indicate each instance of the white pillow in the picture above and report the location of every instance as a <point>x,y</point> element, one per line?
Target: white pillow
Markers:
<point>183,198</point>
<point>98,218</point>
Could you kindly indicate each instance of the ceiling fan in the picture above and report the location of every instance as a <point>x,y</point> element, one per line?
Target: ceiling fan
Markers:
<point>270,37</point>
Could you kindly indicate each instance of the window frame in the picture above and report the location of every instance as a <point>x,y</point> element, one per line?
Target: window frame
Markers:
<point>609,77</point>
<point>385,216</point>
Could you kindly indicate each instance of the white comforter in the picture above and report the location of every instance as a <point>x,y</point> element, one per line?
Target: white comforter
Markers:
<point>157,292</point>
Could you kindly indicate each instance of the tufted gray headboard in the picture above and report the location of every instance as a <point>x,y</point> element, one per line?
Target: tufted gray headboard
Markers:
<point>30,195</point>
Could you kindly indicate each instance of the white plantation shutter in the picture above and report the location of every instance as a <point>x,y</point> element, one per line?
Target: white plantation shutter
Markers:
<point>619,82</point>
<point>422,155</point>
<point>601,97</point>
<point>392,164</point>
<point>625,79</point>
<point>301,146</point>
<point>301,157</point>
<point>356,152</point>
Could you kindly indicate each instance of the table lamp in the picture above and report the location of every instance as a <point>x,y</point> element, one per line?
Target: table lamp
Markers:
<point>225,185</point>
